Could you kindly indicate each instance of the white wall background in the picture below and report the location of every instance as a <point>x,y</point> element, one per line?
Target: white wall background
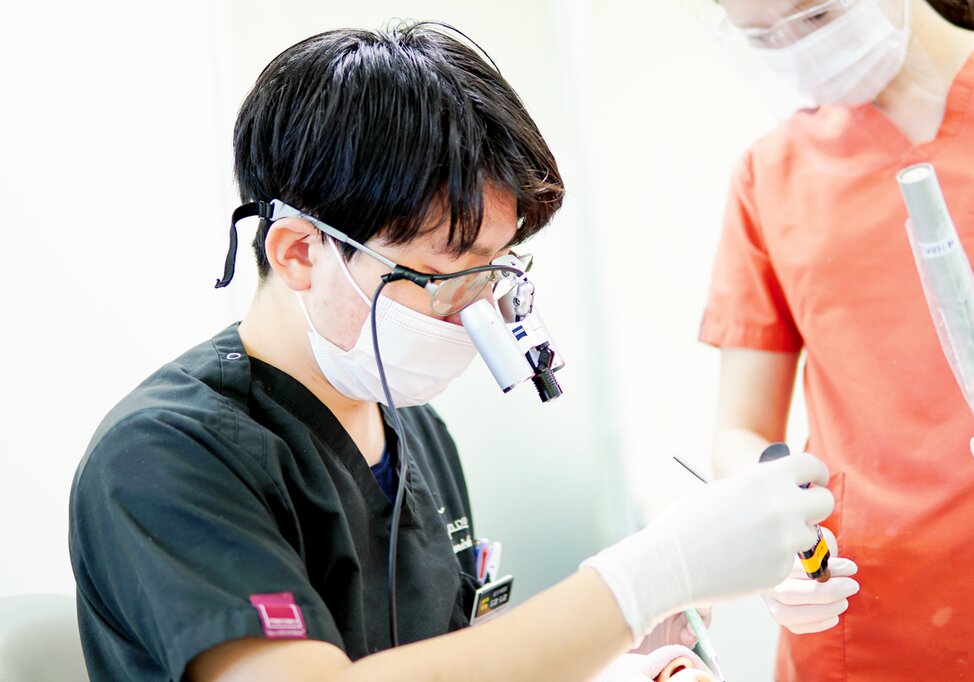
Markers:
<point>115,128</point>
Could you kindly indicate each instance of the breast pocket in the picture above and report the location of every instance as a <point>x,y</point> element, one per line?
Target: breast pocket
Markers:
<point>464,602</point>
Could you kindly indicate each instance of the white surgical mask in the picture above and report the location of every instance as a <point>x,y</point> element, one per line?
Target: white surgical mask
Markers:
<point>849,61</point>
<point>421,354</point>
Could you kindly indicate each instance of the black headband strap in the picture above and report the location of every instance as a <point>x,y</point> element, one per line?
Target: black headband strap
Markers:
<point>255,208</point>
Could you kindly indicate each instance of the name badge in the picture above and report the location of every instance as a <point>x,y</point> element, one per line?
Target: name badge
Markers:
<point>491,600</point>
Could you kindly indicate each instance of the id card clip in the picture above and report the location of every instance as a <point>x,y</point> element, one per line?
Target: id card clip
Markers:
<point>491,600</point>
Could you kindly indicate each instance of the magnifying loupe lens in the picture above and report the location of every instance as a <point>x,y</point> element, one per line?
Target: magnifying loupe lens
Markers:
<point>453,295</point>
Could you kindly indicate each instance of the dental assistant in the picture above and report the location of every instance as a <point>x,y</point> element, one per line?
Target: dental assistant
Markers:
<point>814,259</point>
<point>231,517</point>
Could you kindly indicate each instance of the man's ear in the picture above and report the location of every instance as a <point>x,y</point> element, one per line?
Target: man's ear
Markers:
<point>289,251</point>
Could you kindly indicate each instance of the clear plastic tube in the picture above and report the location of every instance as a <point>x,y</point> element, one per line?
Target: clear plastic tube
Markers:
<point>945,271</point>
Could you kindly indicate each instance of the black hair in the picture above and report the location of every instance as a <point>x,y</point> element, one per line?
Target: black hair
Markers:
<point>374,132</point>
<point>958,12</point>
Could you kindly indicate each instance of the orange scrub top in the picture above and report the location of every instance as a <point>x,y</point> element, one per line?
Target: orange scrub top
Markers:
<point>814,255</point>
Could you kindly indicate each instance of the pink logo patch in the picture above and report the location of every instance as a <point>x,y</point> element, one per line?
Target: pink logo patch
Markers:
<point>279,616</point>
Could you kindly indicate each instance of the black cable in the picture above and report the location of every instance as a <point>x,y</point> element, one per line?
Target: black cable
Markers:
<point>402,449</point>
<point>402,452</point>
<point>479,268</point>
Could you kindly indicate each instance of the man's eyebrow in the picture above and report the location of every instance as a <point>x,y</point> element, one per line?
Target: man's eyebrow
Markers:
<point>481,251</point>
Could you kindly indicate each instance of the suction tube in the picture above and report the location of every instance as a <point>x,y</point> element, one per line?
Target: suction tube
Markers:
<point>945,271</point>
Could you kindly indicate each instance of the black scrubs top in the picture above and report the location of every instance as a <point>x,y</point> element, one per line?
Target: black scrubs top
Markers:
<point>221,477</point>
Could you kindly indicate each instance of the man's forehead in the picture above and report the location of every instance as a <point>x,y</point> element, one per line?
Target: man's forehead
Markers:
<point>498,228</point>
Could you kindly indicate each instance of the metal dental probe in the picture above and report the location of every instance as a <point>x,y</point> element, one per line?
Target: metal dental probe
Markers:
<point>707,651</point>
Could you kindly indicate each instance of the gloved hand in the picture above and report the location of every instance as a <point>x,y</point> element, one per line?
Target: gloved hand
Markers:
<point>803,605</point>
<point>732,537</point>
<point>672,630</point>
<point>666,664</point>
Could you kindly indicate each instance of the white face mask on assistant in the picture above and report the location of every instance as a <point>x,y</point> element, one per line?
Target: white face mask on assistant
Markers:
<point>848,61</point>
<point>421,355</point>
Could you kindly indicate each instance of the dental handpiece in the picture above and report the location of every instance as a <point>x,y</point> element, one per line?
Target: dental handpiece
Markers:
<point>815,561</point>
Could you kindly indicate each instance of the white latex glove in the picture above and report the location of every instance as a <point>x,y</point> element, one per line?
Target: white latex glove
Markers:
<point>732,537</point>
<point>644,668</point>
<point>672,630</point>
<point>804,605</point>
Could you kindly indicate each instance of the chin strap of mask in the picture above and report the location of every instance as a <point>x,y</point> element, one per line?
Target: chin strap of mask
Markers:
<point>262,209</point>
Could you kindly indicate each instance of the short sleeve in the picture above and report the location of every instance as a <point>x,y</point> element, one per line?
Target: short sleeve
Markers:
<point>173,528</point>
<point>746,307</point>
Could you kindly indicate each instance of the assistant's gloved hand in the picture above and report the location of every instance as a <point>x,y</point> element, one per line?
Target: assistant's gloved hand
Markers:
<point>670,663</point>
<point>803,605</point>
<point>732,537</point>
<point>672,630</point>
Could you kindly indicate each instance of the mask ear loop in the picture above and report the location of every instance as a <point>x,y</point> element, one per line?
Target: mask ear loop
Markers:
<point>304,310</point>
<point>348,275</point>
